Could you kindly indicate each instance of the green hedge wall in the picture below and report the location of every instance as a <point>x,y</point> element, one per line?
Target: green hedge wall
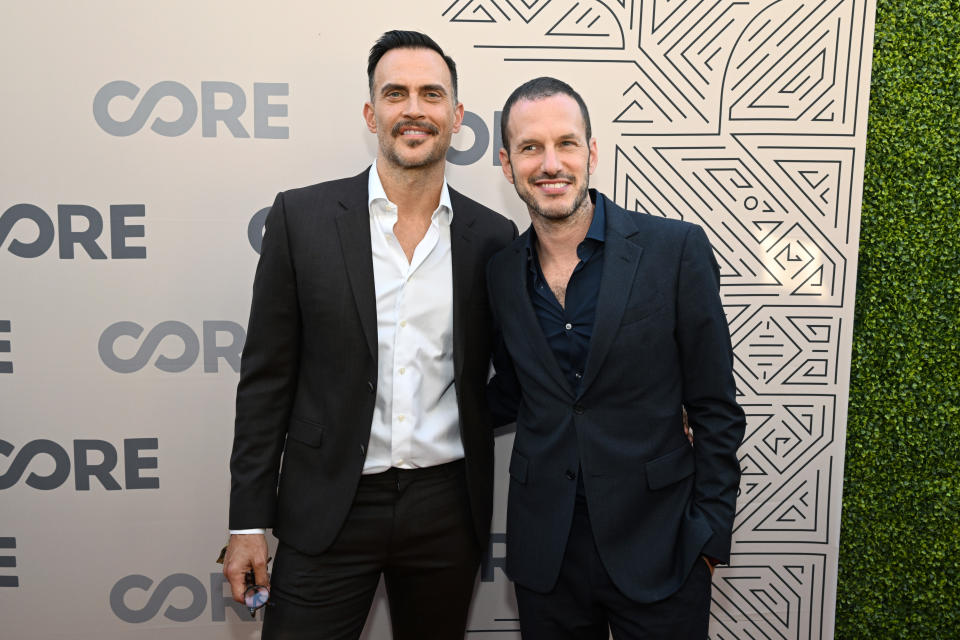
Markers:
<point>900,529</point>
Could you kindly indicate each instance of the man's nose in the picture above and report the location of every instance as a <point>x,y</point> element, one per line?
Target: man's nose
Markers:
<point>551,161</point>
<point>412,108</point>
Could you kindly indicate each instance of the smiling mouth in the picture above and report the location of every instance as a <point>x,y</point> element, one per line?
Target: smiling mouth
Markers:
<point>409,130</point>
<point>553,185</point>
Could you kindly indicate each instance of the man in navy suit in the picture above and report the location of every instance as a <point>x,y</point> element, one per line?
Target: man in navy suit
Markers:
<point>610,326</point>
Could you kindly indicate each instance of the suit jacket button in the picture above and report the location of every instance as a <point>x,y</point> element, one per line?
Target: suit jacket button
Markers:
<point>571,475</point>
<point>370,386</point>
<point>363,451</point>
<point>578,409</point>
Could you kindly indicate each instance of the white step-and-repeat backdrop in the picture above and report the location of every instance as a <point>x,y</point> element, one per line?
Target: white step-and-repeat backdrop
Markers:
<point>142,142</point>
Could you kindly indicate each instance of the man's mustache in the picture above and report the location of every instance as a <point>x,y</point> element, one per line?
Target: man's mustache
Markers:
<point>557,176</point>
<point>426,126</point>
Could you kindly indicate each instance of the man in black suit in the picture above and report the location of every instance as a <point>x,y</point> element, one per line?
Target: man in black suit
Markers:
<point>611,325</point>
<point>366,357</point>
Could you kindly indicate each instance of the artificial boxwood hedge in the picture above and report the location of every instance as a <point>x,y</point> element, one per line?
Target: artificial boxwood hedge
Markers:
<point>900,530</point>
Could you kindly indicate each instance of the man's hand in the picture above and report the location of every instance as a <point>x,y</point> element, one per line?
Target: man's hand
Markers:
<point>244,552</point>
<point>711,563</point>
<point>687,431</point>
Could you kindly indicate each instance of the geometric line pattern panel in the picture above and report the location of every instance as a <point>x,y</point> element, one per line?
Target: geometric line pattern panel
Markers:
<point>697,66</point>
<point>787,470</point>
<point>768,596</point>
<point>783,348</point>
<point>746,117</point>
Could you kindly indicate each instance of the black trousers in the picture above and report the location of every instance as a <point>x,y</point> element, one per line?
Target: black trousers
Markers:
<point>412,526</point>
<point>586,605</point>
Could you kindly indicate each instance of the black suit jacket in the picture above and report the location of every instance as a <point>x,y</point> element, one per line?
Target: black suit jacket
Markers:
<point>660,342</point>
<point>308,374</point>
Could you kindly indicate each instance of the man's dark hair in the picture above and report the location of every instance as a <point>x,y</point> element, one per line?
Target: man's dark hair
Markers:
<point>407,40</point>
<point>537,89</point>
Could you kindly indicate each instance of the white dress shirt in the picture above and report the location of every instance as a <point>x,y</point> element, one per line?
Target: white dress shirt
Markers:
<point>416,417</point>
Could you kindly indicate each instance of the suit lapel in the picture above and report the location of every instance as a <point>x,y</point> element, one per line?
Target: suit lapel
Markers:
<point>621,256</point>
<point>353,226</point>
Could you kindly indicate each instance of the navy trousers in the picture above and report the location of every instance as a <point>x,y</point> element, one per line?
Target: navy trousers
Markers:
<point>586,605</point>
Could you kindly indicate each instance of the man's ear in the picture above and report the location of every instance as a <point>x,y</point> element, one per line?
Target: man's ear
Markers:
<point>369,117</point>
<point>505,165</point>
<point>594,157</point>
<point>457,117</point>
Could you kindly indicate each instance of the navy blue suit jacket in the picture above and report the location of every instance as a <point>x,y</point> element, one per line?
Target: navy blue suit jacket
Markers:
<point>660,343</point>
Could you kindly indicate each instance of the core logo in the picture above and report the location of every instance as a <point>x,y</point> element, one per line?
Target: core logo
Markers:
<point>100,465</point>
<point>40,226</point>
<point>8,561</point>
<point>182,583</point>
<point>6,366</point>
<point>489,562</point>
<point>255,228</point>
<point>121,337</point>
<point>481,140</point>
<point>211,93</point>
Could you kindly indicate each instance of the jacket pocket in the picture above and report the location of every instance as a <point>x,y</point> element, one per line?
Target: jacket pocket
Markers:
<point>518,467</point>
<point>670,468</point>
<point>306,432</point>
<point>647,305</point>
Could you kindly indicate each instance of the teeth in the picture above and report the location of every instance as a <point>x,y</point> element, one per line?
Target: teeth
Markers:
<point>414,132</point>
<point>553,185</point>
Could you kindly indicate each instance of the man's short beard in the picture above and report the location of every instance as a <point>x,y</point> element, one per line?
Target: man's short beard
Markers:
<point>531,201</point>
<point>390,150</point>
<point>394,158</point>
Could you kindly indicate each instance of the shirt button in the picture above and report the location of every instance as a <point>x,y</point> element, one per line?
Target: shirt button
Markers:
<point>400,418</point>
<point>568,326</point>
<point>578,375</point>
<point>403,370</point>
<point>403,323</point>
<point>578,409</point>
<point>571,475</point>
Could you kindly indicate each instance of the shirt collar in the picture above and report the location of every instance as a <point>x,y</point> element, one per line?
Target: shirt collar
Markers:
<point>376,193</point>
<point>598,226</point>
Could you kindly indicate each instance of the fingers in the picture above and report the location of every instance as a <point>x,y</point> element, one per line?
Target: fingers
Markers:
<point>260,570</point>
<point>233,570</point>
<point>245,552</point>
<point>709,564</point>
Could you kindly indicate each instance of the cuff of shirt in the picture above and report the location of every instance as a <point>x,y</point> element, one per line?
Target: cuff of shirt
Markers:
<point>242,532</point>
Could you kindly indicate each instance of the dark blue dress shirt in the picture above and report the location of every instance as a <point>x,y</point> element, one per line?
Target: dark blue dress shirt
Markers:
<point>568,328</point>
